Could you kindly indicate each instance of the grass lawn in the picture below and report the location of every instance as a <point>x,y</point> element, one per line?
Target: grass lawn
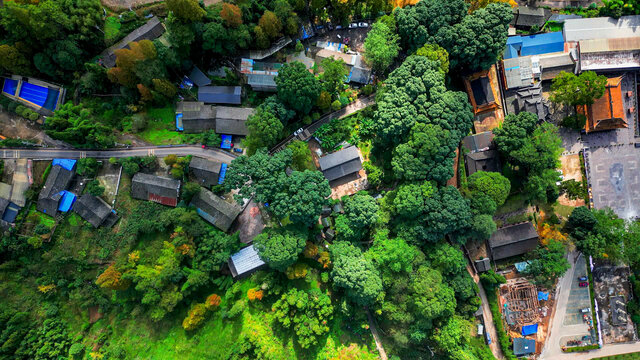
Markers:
<point>161,127</point>
<point>111,28</point>
<point>513,203</point>
<point>563,210</point>
<point>629,356</point>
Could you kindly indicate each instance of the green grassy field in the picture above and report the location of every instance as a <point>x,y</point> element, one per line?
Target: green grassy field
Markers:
<point>513,203</point>
<point>111,28</point>
<point>161,127</point>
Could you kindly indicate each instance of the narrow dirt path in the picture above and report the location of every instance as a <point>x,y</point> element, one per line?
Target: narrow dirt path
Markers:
<point>376,336</point>
<point>488,317</point>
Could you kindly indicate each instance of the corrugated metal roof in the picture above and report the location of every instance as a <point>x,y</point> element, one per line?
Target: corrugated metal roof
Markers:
<point>220,94</point>
<point>348,59</point>
<point>602,28</point>
<point>338,157</point>
<point>246,260</point>
<point>518,72</point>
<point>606,45</point>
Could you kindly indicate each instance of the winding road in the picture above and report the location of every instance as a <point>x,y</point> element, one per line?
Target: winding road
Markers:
<point>160,151</point>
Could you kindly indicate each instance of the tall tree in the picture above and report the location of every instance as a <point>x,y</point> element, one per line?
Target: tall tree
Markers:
<point>271,24</point>
<point>584,89</point>
<point>264,130</point>
<point>381,47</point>
<point>354,273</point>
<point>231,14</point>
<point>186,10</point>
<point>492,184</point>
<point>297,87</point>
<point>334,73</point>
<point>360,212</point>
<point>280,248</point>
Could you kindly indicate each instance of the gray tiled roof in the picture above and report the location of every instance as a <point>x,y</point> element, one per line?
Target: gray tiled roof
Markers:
<point>220,94</point>
<point>245,261</point>
<point>232,120</point>
<point>206,171</point>
<point>479,142</point>
<point>93,209</point>
<point>143,184</point>
<point>512,234</point>
<point>482,161</point>
<point>340,163</point>
<point>215,210</point>
<point>58,180</point>
<point>198,77</point>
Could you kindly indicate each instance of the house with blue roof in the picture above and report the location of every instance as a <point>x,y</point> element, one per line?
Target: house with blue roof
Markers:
<point>537,44</point>
<point>523,347</point>
<point>54,196</point>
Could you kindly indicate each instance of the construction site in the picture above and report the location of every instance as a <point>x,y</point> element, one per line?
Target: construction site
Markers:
<point>526,311</point>
<point>612,291</point>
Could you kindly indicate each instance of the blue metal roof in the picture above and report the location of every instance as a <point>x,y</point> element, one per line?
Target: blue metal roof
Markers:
<point>67,200</point>
<point>534,44</point>
<point>529,329</point>
<point>226,142</point>
<point>179,126</point>
<point>223,173</point>
<point>66,164</point>
<point>11,212</point>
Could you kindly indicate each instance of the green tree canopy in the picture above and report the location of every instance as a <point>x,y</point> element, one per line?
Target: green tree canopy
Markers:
<point>514,131</point>
<point>354,273</point>
<point>426,214</point>
<point>307,313</point>
<point>381,47</point>
<point>186,10</point>
<point>415,93</point>
<point>435,52</point>
<point>280,248</point>
<point>297,87</point>
<point>334,73</point>
<point>360,212</point>
<point>492,184</point>
<point>264,130</point>
<point>584,89</point>
<point>547,264</point>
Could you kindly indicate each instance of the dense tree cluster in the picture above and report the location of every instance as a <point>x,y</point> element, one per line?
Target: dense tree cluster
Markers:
<point>307,313</point>
<point>280,248</point>
<point>474,41</point>
<point>298,196</point>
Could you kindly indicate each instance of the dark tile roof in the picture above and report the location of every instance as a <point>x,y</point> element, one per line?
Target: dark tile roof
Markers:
<point>215,210</point>
<point>93,209</point>
<point>220,94</point>
<point>530,16</point>
<point>196,116</point>
<point>360,75</point>
<point>481,89</point>
<point>206,171</point>
<point>57,181</point>
<point>198,77</point>
<point>479,142</point>
<point>513,240</point>
<point>523,346</point>
<point>483,265</point>
<point>150,187</point>
<point>232,120</point>
<point>3,206</point>
<point>482,161</point>
<point>153,29</point>
<point>10,213</point>
<point>340,163</point>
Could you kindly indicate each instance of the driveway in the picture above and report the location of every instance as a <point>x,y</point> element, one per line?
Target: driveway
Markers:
<point>567,323</point>
<point>489,326</point>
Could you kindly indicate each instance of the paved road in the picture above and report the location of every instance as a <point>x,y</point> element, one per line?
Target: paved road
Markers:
<point>344,112</point>
<point>489,326</point>
<point>160,151</point>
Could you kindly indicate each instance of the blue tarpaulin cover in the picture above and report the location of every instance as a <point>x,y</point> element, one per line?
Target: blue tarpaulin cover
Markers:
<point>10,86</point>
<point>226,142</point>
<point>534,44</point>
<point>521,266</point>
<point>179,126</point>
<point>529,329</point>
<point>543,295</point>
<point>223,172</point>
<point>67,200</point>
<point>66,164</point>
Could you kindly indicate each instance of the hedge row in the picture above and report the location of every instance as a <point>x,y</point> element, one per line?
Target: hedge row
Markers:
<point>14,107</point>
<point>580,348</point>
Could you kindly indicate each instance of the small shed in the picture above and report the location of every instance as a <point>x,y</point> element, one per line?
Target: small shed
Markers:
<point>216,211</point>
<point>513,240</point>
<point>158,189</point>
<point>95,211</point>
<point>198,77</point>
<point>526,17</point>
<point>205,171</point>
<point>479,142</point>
<point>153,29</point>
<point>232,120</point>
<point>220,94</point>
<point>245,262</point>
<point>483,265</point>
<point>340,163</point>
<point>482,161</point>
<point>10,212</point>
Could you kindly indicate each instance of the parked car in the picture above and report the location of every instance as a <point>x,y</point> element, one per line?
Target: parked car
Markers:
<point>338,27</point>
<point>363,24</point>
<point>583,284</point>
<point>238,150</point>
<point>295,133</point>
<point>488,337</point>
<point>353,25</point>
<point>585,310</point>
<point>583,278</point>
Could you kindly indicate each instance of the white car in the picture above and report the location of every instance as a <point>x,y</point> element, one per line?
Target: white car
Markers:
<point>363,24</point>
<point>299,131</point>
<point>353,25</point>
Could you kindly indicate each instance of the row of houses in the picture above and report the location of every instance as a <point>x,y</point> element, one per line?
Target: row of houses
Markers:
<point>193,117</point>
<point>57,197</point>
